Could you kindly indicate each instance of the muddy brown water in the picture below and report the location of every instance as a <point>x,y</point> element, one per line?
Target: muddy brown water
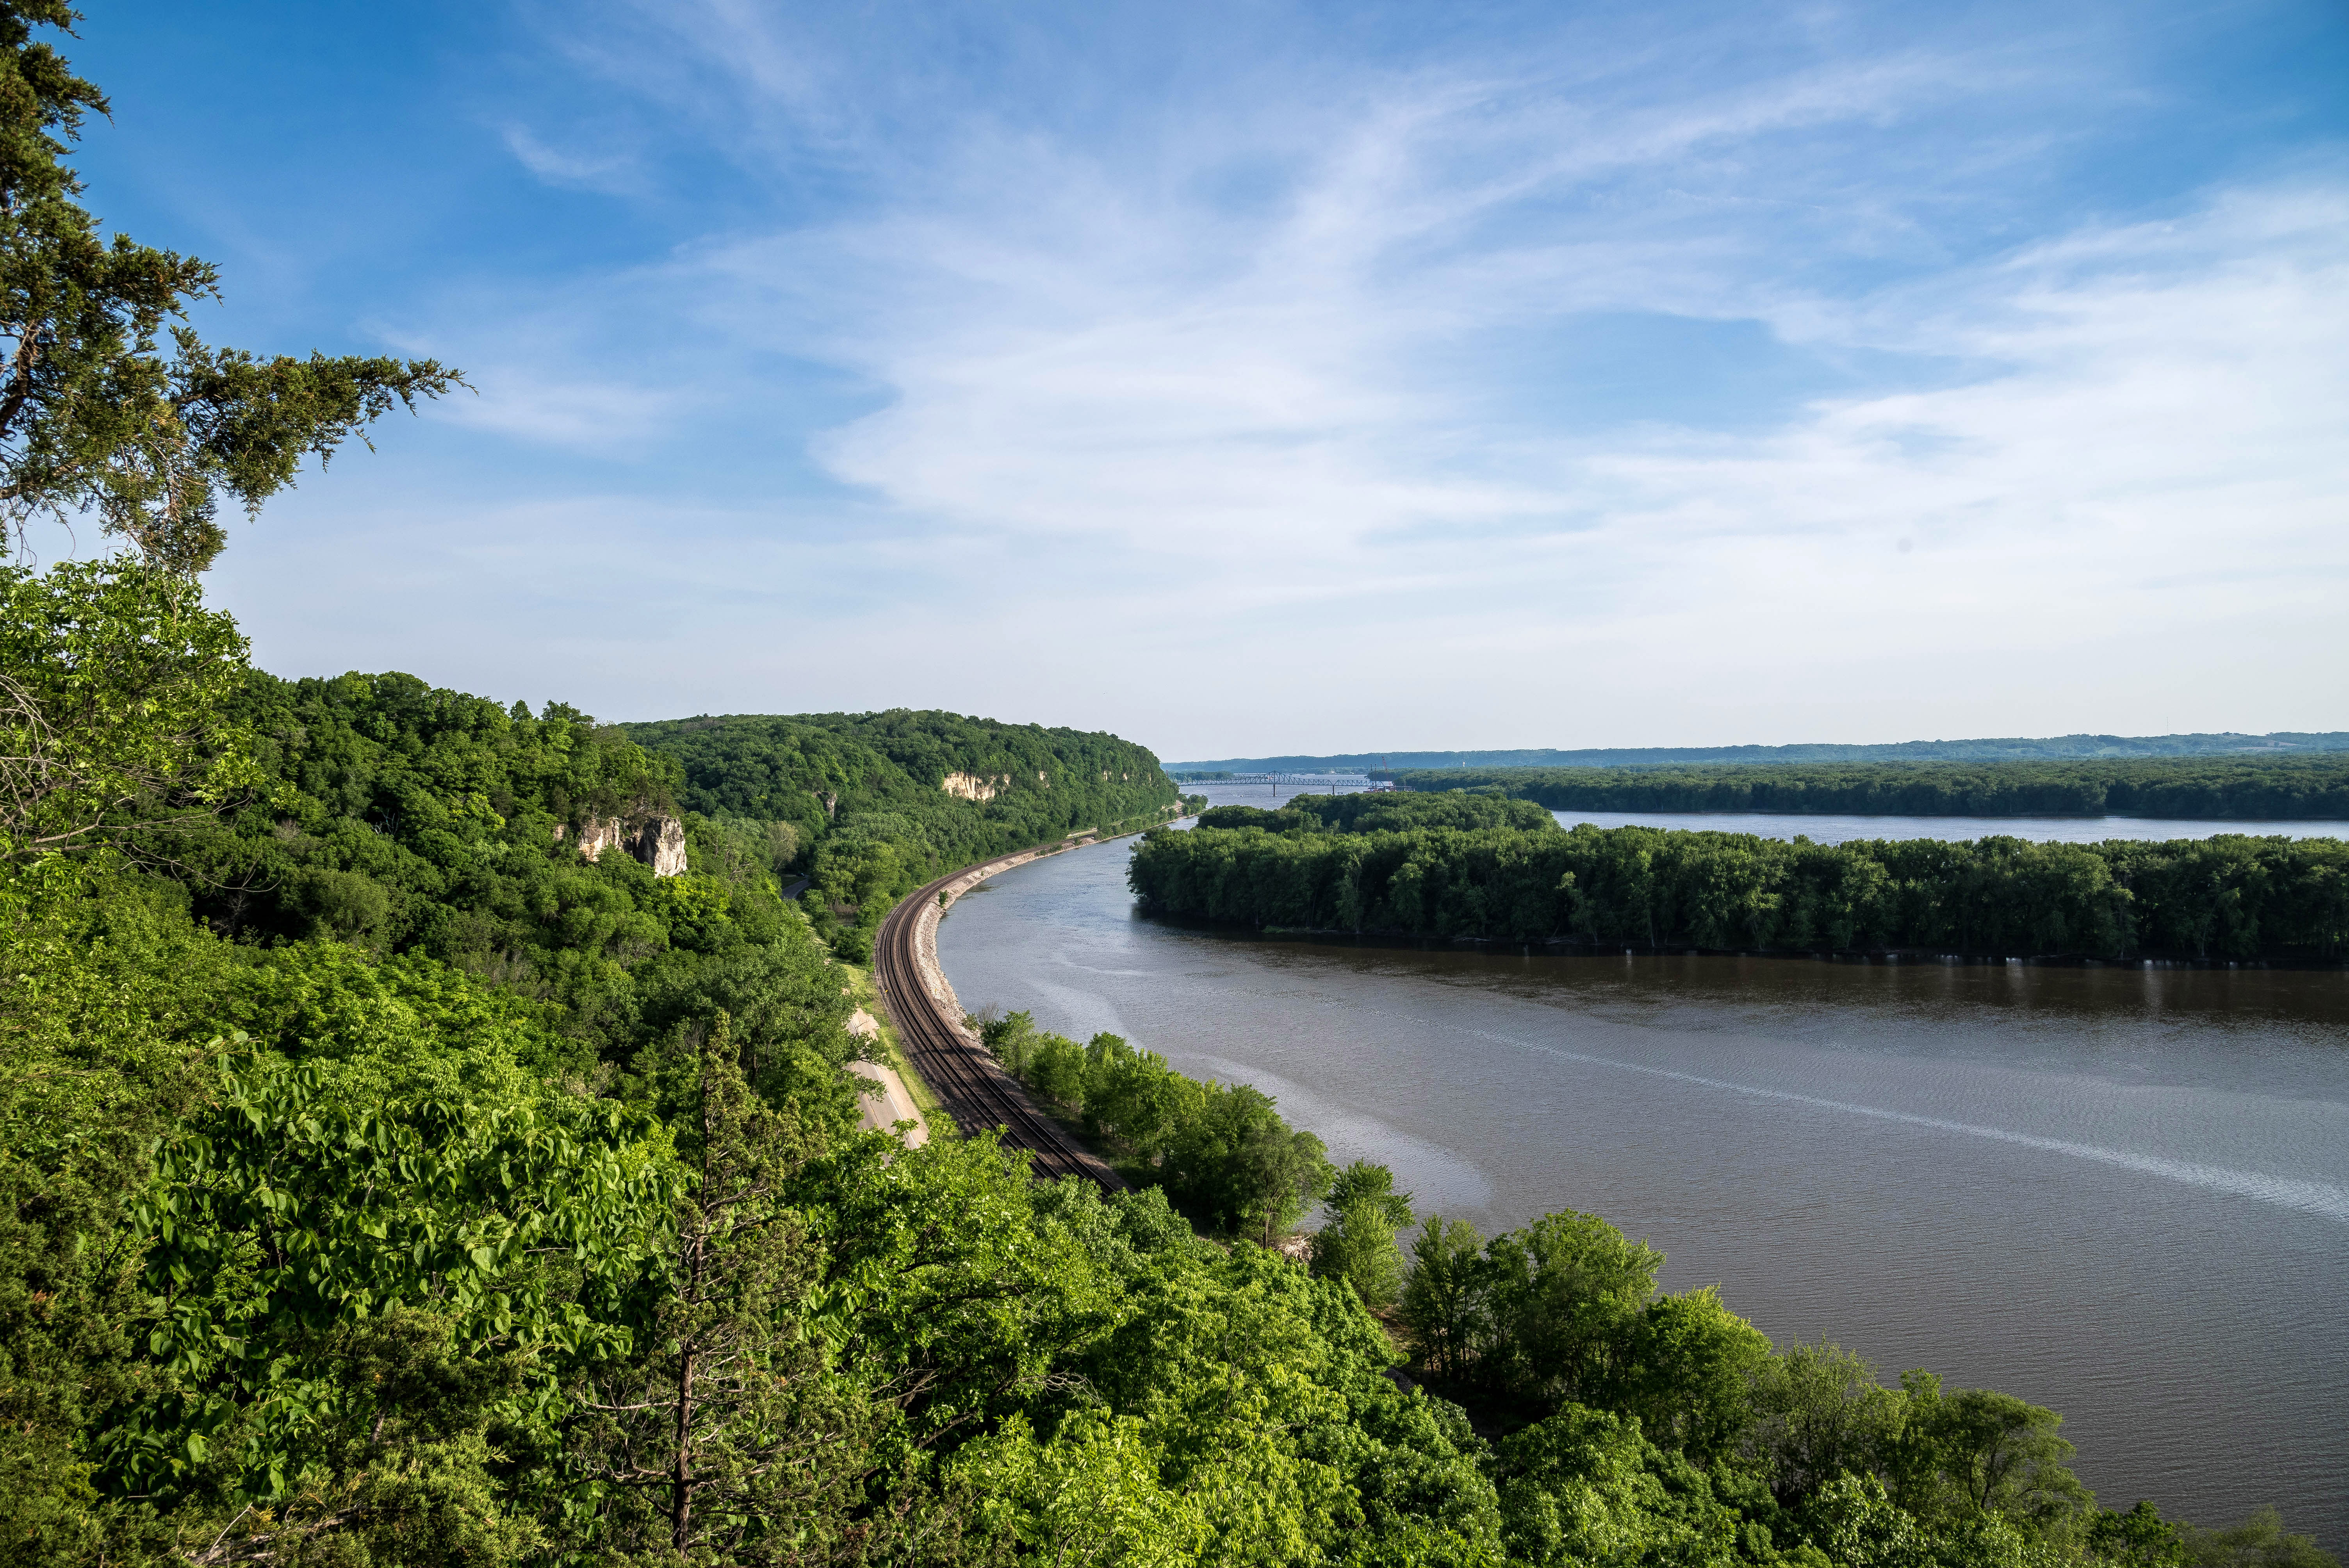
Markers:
<point>2123,1194</point>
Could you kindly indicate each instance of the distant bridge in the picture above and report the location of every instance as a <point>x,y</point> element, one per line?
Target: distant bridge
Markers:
<point>1347,781</point>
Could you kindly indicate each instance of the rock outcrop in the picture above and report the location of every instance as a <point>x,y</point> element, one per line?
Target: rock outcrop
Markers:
<point>658,842</point>
<point>976,786</point>
<point>597,834</point>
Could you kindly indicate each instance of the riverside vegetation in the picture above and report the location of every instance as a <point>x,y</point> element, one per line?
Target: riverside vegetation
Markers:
<point>861,794</point>
<point>2293,788</point>
<point>1482,866</point>
<point>383,1181</point>
<point>1615,1423</point>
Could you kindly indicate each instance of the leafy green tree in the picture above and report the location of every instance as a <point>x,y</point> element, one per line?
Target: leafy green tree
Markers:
<point>1585,1486</point>
<point>1238,1166</point>
<point>2140,1538</point>
<point>724,1436</point>
<point>95,418</point>
<point>1090,1494</point>
<point>205,1240</point>
<point>951,1289</point>
<point>1819,1413</point>
<point>2260,1541</point>
<point>1444,1296</point>
<point>1132,1097</point>
<point>114,685</point>
<point>101,982</point>
<point>1858,1525</point>
<point>1689,1372</point>
<point>1978,1451</point>
<point>1259,1387</point>
<point>1358,1245</point>
<point>311,1202</point>
<point>1566,1295</point>
<point>1056,1069</point>
<point>406,1474</point>
<point>1011,1038</point>
<point>737,849</point>
<point>787,1018</point>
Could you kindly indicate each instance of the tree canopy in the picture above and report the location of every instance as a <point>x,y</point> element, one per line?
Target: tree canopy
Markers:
<point>2226,897</point>
<point>2255,787</point>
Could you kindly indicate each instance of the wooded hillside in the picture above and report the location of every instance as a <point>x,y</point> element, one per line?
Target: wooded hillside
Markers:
<point>2229,897</point>
<point>864,798</point>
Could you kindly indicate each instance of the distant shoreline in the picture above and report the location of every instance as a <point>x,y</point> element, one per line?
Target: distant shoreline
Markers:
<point>2048,748</point>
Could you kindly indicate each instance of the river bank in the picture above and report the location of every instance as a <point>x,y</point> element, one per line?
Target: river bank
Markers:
<point>1567,947</point>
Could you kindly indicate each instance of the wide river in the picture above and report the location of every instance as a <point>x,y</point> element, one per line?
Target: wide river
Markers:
<point>2122,1193</point>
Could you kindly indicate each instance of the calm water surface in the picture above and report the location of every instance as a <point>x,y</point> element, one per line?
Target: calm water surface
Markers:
<point>2118,1193</point>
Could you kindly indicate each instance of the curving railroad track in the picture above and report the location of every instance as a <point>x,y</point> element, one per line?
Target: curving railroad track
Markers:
<point>978,1094</point>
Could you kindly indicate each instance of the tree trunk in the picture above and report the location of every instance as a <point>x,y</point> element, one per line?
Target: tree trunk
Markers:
<point>680,1517</point>
<point>680,1523</point>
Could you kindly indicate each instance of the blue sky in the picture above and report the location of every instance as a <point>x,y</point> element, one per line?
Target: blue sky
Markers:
<point>1295,377</point>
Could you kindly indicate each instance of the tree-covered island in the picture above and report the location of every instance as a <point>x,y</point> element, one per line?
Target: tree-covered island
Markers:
<point>1486,867</point>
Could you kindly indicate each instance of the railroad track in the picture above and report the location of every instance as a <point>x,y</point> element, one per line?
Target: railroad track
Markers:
<point>978,1094</point>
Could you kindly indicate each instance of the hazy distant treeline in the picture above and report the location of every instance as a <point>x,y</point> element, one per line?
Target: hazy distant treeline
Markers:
<point>2013,748</point>
<point>2231,897</point>
<point>2227,788</point>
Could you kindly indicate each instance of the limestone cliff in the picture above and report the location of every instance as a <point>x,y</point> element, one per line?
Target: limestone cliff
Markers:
<point>975,786</point>
<point>597,834</point>
<point>658,842</point>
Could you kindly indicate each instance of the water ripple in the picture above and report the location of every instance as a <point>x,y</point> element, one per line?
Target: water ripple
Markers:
<point>2323,1199</point>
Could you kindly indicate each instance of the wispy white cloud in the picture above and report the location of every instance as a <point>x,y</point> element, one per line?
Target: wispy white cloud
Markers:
<point>607,171</point>
<point>562,408</point>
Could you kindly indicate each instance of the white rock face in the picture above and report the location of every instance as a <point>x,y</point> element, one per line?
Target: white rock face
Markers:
<point>597,834</point>
<point>970,786</point>
<point>660,844</point>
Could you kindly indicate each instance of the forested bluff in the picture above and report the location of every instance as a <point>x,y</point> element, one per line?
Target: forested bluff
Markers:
<point>1485,867</point>
<point>2240,789</point>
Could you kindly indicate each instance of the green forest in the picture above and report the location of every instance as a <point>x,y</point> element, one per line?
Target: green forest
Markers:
<point>408,820</point>
<point>2222,789</point>
<point>425,1136</point>
<point>1424,866</point>
<point>863,800</point>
